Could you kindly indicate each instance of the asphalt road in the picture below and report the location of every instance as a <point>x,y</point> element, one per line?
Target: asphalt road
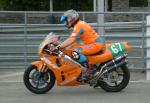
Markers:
<point>17,93</point>
<point>12,90</point>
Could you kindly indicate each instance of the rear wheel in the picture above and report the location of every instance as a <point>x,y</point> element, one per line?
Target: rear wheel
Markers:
<point>36,82</point>
<point>116,80</point>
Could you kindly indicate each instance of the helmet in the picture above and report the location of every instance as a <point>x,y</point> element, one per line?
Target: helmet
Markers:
<point>69,18</point>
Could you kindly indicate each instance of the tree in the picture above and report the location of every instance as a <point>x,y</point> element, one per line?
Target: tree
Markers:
<point>24,5</point>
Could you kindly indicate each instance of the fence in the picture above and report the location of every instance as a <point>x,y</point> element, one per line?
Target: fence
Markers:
<point>19,40</point>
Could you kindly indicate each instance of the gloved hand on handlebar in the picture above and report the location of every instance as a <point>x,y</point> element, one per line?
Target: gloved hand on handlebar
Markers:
<point>52,47</point>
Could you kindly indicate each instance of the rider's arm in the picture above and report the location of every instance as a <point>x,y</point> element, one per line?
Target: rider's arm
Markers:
<point>69,40</point>
<point>77,31</point>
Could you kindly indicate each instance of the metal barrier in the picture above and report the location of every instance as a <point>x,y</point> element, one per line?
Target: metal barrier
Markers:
<point>19,41</point>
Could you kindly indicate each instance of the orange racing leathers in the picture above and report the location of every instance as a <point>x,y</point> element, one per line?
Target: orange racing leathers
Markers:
<point>92,41</point>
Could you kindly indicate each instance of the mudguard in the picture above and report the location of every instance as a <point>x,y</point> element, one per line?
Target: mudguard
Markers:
<point>38,64</point>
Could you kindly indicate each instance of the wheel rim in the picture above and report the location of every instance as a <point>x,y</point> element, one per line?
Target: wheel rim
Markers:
<point>114,78</point>
<point>39,82</point>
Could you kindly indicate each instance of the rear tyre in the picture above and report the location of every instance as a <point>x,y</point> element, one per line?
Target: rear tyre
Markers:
<point>36,83</point>
<point>118,85</point>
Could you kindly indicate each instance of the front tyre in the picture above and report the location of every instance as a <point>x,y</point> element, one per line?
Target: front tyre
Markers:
<point>37,83</point>
<point>116,80</point>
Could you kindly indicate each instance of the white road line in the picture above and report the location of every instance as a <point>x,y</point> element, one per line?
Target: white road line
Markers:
<point>140,81</point>
<point>11,75</point>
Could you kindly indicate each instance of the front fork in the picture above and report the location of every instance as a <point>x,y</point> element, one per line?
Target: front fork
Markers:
<point>41,67</point>
<point>42,70</point>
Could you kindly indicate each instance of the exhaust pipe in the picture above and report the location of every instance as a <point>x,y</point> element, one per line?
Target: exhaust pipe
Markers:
<point>109,69</point>
<point>111,65</point>
<point>116,61</point>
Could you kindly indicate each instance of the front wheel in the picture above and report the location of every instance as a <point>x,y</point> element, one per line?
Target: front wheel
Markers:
<point>36,82</point>
<point>116,80</point>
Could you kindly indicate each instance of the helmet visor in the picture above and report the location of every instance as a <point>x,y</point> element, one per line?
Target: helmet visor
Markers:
<point>63,19</point>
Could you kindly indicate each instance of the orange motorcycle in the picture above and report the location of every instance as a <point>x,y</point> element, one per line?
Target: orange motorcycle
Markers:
<point>110,67</point>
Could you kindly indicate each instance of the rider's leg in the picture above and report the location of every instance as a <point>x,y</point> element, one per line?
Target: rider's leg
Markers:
<point>88,50</point>
<point>82,59</point>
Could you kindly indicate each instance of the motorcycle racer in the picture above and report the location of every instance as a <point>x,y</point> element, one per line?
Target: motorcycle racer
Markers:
<point>93,43</point>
